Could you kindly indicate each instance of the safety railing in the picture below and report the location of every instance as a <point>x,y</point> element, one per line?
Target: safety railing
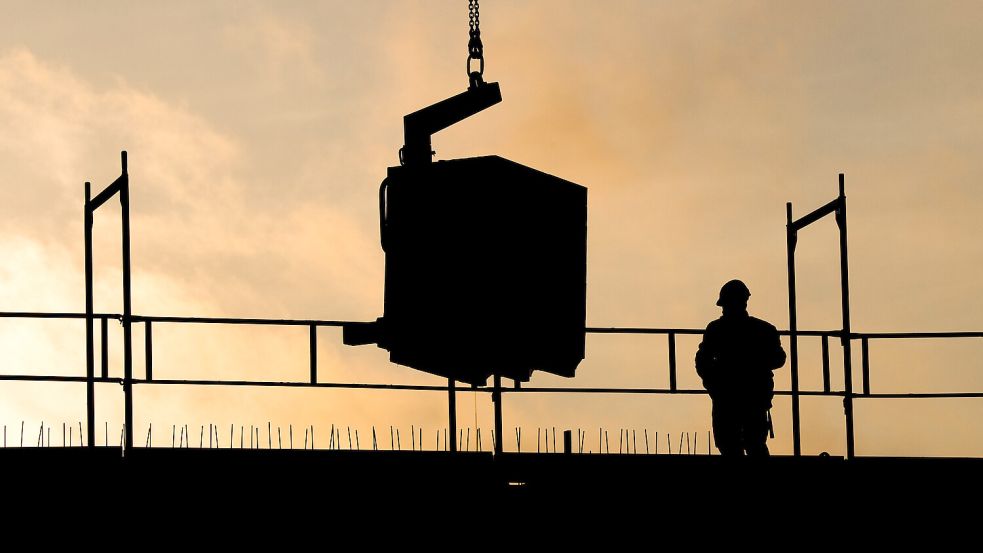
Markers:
<point>312,326</point>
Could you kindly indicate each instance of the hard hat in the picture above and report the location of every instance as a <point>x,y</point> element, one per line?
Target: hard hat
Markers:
<point>733,290</point>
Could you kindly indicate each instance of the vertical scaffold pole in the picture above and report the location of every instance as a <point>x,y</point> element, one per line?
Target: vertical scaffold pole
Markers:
<point>793,336</point>
<point>90,386</point>
<point>497,400</point>
<point>124,199</point>
<point>452,414</point>
<point>846,337</point>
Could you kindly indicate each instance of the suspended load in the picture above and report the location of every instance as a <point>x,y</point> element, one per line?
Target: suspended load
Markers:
<point>486,259</point>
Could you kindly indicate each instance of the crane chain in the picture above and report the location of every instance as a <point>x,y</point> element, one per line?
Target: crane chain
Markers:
<point>475,48</point>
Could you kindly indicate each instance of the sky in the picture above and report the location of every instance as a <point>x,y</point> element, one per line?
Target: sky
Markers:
<point>258,134</point>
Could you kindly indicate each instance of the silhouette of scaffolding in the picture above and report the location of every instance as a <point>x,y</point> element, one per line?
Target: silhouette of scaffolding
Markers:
<point>837,207</point>
<point>312,325</point>
<point>121,187</point>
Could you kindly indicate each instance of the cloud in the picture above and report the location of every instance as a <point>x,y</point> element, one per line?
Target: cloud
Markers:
<point>192,216</point>
<point>198,246</point>
<point>282,49</point>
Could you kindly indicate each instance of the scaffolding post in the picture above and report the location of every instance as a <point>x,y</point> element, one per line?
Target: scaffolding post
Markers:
<point>793,336</point>
<point>452,414</point>
<point>119,186</point>
<point>836,207</point>
<point>846,337</point>
<point>313,355</point>
<point>124,200</point>
<point>90,386</point>
<point>104,346</point>
<point>497,400</point>
<point>671,338</point>
<point>148,350</point>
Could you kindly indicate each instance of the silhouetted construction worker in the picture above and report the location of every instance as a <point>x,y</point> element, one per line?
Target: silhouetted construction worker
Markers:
<point>735,361</point>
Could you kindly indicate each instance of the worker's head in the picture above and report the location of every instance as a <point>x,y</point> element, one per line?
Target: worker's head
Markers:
<point>733,296</point>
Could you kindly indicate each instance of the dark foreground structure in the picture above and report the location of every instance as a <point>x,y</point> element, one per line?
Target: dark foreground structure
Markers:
<point>153,483</point>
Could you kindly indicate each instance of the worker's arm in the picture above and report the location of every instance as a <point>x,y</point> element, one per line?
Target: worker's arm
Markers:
<point>706,356</point>
<point>776,356</point>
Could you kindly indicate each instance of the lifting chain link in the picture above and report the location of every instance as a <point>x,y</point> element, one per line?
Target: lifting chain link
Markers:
<point>475,50</point>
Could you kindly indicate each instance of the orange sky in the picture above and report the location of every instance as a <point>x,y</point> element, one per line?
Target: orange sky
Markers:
<point>258,135</point>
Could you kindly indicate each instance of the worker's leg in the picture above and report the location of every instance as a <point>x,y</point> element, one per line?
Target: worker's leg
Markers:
<point>727,428</point>
<point>755,431</point>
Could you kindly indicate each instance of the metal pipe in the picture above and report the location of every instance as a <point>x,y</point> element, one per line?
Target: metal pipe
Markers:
<point>452,413</point>
<point>104,346</point>
<point>51,315</point>
<point>237,321</point>
<point>124,198</point>
<point>817,214</point>
<point>672,360</point>
<point>790,239</point>
<point>394,387</point>
<point>826,386</point>
<point>149,349</point>
<point>865,356</point>
<point>90,387</point>
<point>845,296</point>
<point>313,354</point>
<point>590,330</point>
<point>110,190</point>
<point>497,400</point>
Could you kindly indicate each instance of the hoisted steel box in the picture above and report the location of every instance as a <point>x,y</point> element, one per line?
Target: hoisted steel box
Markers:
<point>486,269</point>
<point>486,260</point>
